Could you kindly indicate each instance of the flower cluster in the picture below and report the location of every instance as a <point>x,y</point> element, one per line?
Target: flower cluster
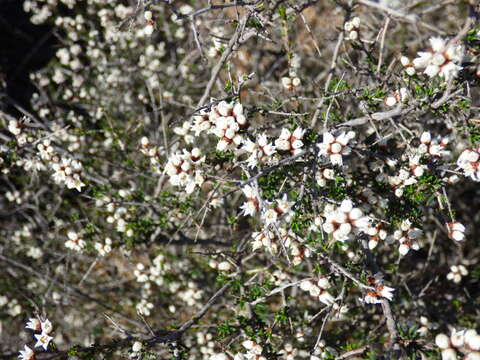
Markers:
<point>252,205</point>
<point>380,291</point>
<point>281,238</point>
<point>376,235</point>
<point>352,28</point>
<point>408,65</point>
<point>443,59</point>
<point>227,120</point>
<point>68,171</point>
<point>217,45</point>
<point>464,341</point>
<point>104,248</point>
<point>344,220</point>
<point>185,169</point>
<point>456,231</point>
<point>42,329</point>
<point>75,241</point>
<point>223,266</point>
<point>291,82</point>
<point>407,175</point>
<point>260,151</point>
<point>435,148</point>
<point>290,141</point>
<point>152,152</point>
<point>269,199</point>
<point>318,288</point>
<point>407,236</point>
<point>425,326</point>
<point>275,211</point>
<point>118,215</point>
<point>19,129</point>
<point>456,273</point>
<point>254,351</point>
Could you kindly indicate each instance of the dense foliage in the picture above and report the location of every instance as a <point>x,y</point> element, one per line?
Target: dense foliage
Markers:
<point>259,180</point>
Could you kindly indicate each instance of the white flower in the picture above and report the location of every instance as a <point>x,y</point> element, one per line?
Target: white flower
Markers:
<point>424,328</point>
<point>449,354</point>
<point>291,82</point>
<point>26,354</point>
<point>34,324</point>
<point>408,65</point>
<point>372,298</point>
<point>355,22</point>
<point>46,327</point>
<point>306,285</point>
<point>472,356</point>
<point>137,346</point>
<point>472,339</point>
<point>288,141</point>
<point>269,217</point>
<point>456,273</point>
<point>149,29</point>
<point>457,338</point>
<point>442,341</point>
<point>390,100</point>
<point>75,242</point>
<point>252,347</point>
<point>407,237</point>
<point>261,150</point>
<point>42,340</point>
<point>469,162</point>
<point>148,15</point>
<point>456,231</point>
<point>352,27</point>
<point>284,207</point>
<point>219,357</point>
<point>396,97</point>
<point>326,298</point>
<point>323,282</point>
<point>251,206</point>
<point>336,147</point>
<point>224,266</point>
<point>442,60</point>
<point>385,291</point>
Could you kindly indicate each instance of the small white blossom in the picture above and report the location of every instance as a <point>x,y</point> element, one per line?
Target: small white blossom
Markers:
<point>288,141</point>
<point>291,82</point>
<point>261,150</point>
<point>137,346</point>
<point>26,354</point>
<point>400,96</point>
<point>34,324</point>
<point>336,147</point>
<point>75,242</point>
<point>456,231</point>
<point>42,340</point>
<point>469,162</point>
<point>352,28</point>
<point>443,59</point>
<point>456,273</point>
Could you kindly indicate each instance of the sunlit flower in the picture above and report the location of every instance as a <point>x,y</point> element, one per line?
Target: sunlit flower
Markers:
<point>42,340</point>
<point>26,354</point>
<point>34,324</point>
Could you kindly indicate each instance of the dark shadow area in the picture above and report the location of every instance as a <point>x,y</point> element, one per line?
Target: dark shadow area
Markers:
<point>25,48</point>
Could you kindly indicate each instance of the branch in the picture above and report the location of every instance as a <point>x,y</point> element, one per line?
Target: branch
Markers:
<point>73,289</point>
<point>411,18</point>
<point>226,53</point>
